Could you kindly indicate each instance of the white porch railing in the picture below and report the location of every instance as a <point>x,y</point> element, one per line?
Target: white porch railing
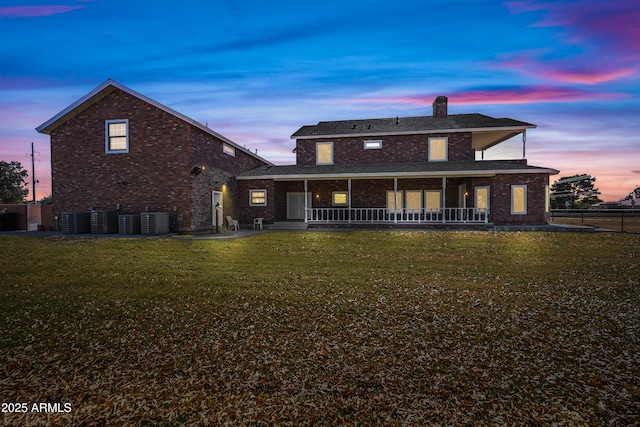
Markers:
<point>384,215</point>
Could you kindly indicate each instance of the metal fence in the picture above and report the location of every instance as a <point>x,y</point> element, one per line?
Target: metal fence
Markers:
<point>611,219</point>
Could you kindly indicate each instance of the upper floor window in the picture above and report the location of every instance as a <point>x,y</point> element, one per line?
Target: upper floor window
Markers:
<point>117,136</point>
<point>228,149</point>
<point>438,149</point>
<point>373,144</point>
<point>324,153</point>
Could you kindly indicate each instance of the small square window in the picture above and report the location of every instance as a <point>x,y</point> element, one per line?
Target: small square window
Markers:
<point>324,153</point>
<point>117,136</point>
<point>258,198</point>
<point>340,198</point>
<point>438,150</point>
<point>373,145</point>
<point>228,149</point>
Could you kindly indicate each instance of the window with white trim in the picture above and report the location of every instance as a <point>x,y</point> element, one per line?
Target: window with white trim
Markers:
<point>413,200</point>
<point>518,199</point>
<point>324,153</point>
<point>340,198</point>
<point>257,197</point>
<point>482,197</point>
<point>394,201</point>
<point>117,136</point>
<point>373,144</point>
<point>438,149</point>
<point>432,200</point>
<point>547,199</point>
<point>228,149</point>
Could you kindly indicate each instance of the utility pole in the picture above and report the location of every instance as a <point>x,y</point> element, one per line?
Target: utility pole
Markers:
<point>33,173</point>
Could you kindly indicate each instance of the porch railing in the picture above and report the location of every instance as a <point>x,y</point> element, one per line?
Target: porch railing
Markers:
<point>384,215</point>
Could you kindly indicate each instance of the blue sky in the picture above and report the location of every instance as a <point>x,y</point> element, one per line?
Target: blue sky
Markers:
<point>256,71</point>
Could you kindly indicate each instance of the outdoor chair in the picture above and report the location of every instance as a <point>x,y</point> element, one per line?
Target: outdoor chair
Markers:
<point>233,223</point>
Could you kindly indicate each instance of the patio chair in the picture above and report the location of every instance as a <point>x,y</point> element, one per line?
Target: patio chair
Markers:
<point>233,223</point>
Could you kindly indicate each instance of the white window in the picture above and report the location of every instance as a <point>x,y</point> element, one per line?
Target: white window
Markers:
<point>258,198</point>
<point>482,198</point>
<point>373,144</point>
<point>117,136</point>
<point>340,198</point>
<point>394,201</point>
<point>228,149</point>
<point>518,199</point>
<point>438,150</point>
<point>324,153</point>
<point>547,199</point>
<point>413,199</point>
<point>432,200</point>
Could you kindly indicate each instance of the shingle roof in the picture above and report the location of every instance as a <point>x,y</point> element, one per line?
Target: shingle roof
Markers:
<point>425,169</point>
<point>405,125</point>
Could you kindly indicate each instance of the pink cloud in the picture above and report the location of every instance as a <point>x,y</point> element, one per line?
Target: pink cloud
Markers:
<point>33,11</point>
<point>570,71</point>
<point>524,95</point>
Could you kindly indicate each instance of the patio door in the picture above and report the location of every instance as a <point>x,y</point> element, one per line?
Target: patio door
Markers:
<point>295,205</point>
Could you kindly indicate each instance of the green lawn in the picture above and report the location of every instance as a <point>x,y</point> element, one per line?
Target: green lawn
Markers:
<point>323,328</point>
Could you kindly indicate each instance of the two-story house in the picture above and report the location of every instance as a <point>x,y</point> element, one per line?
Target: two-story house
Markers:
<point>403,170</point>
<point>115,149</point>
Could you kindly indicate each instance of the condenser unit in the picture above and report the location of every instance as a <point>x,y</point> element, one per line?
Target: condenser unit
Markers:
<point>76,222</point>
<point>129,224</point>
<point>103,222</point>
<point>154,222</point>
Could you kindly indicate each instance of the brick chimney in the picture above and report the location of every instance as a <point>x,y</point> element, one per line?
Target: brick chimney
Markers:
<point>440,107</point>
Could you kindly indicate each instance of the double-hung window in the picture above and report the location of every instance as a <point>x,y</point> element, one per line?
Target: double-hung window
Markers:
<point>324,153</point>
<point>340,198</point>
<point>258,198</point>
<point>117,136</point>
<point>438,149</point>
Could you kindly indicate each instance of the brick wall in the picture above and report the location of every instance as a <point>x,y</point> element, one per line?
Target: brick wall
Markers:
<point>501,199</point>
<point>395,149</point>
<point>153,175</point>
<point>248,213</point>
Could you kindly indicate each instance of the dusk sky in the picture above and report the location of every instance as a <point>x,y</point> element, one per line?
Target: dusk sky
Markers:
<point>255,71</point>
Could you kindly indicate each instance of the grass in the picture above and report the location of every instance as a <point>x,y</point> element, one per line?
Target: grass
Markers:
<point>328,328</point>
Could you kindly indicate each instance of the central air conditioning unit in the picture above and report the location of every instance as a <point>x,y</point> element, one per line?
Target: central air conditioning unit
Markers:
<point>103,222</point>
<point>129,224</point>
<point>154,222</point>
<point>76,222</point>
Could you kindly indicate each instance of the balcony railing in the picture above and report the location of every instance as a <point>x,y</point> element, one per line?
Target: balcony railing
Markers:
<point>384,215</point>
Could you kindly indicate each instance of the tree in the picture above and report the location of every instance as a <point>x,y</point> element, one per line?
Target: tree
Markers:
<point>635,194</point>
<point>575,192</point>
<point>13,188</point>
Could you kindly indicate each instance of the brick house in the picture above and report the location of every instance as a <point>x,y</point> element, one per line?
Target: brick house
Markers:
<point>413,170</point>
<point>115,149</point>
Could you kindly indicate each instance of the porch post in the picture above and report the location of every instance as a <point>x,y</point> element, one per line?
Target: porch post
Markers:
<point>349,200</point>
<point>444,198</point>
<point>305,202</point>
<point>524,144</point>
<point>395,200</point>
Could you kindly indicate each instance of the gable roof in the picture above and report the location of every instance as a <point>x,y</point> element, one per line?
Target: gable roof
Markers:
<point>109,86</point>
<point>393,170</point>
<point>486,131</point>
